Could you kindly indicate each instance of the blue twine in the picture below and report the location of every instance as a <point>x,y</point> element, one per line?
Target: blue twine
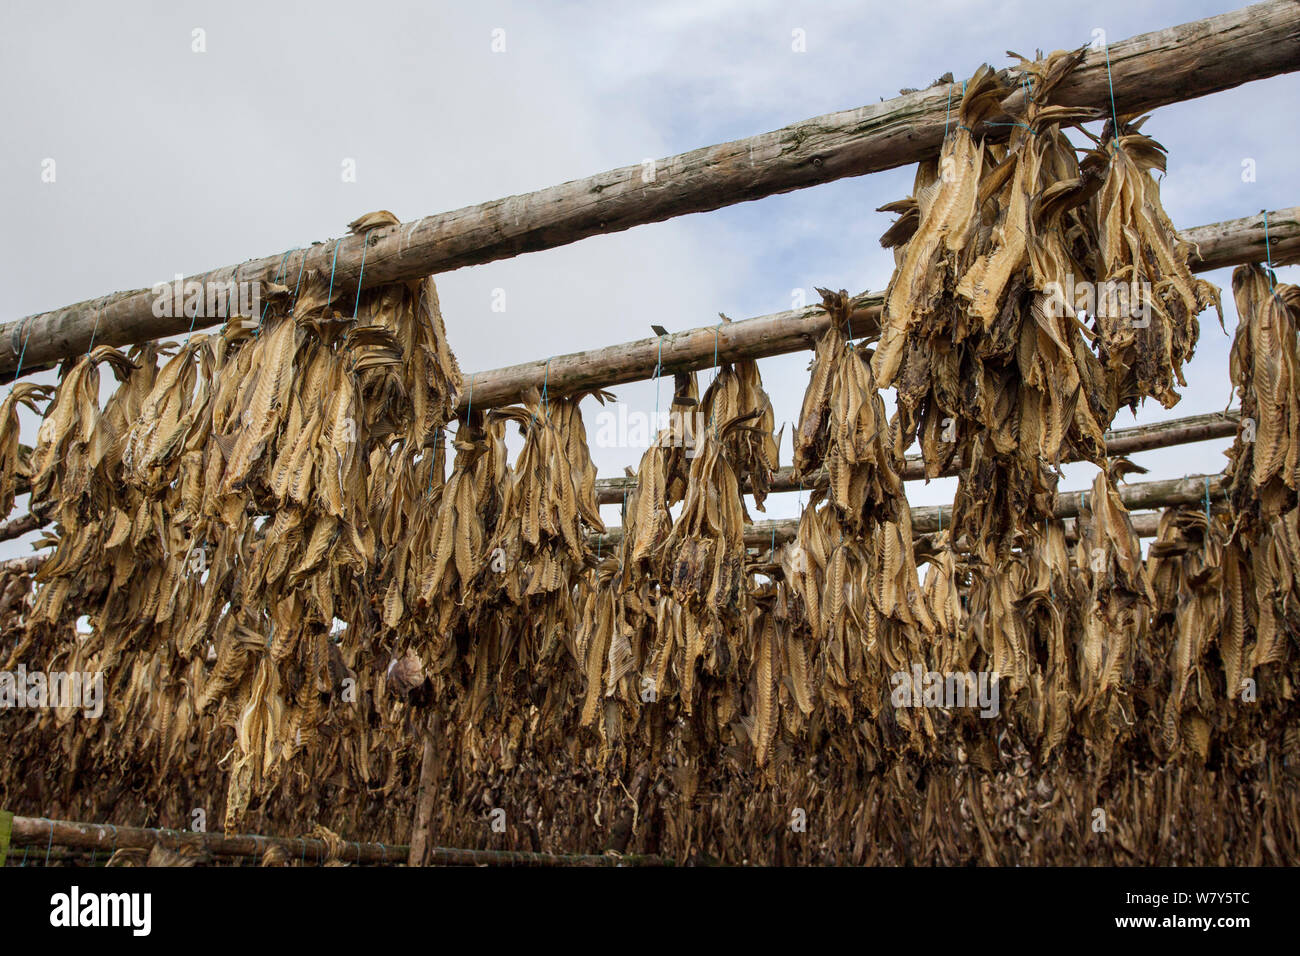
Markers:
<point>21,355</point>
<point>713,413</point>
<point>1207,499</point>
<point>546,375</point>
<point>365,244</point>
<point>95,331</point>
<point>1268,255</point>
<point>1113,114</point>
<point>278,273</point>
<point>659,365</point>
<point>330,296</point>
<point>302,264</point>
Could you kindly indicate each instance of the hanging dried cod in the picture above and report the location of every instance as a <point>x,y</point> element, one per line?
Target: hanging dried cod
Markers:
<point>1117,601</point>
<point>13,465</point>
<point>990,375</point>
<point>843,424</point>
<point>737,393</point>
<point>540,542</point>
<point>702,561</point>
<point>1185,566</point>
<point>1149,299</point>
<point>1262,575</point>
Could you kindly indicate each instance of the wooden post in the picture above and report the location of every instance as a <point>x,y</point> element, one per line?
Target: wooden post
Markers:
<point>425,796</point>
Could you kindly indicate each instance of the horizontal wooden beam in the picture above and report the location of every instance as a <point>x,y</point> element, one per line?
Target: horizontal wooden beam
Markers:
<point>928,519</point>
<point>1138,74</point>
<point>26,565</point>
<point>1233,242</point>
<point>1120,441</point>
<point>1268,236</point>
<point>39,832</point>
<point>17,527</point>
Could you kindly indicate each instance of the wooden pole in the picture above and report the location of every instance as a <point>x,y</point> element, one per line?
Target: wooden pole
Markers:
<point>1137,74</point>
<point>39,832</point>
<point>933,518</point>
<point>1228,243</point>
<point>1123,441</point>
<point>425,796</point>
<point>17,527</point>
<point>27,565</point>
<point>1239,241</point>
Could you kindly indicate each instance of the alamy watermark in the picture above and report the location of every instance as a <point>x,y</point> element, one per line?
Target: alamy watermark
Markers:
<point>40,690</point>
<point>922,688</point>
<point>1108,299</point>
<point>208,300</point>
<point>623,428</point>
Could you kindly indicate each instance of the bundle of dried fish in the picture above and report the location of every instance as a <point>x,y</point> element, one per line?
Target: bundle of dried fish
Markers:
<point>1146,319</point>
<point>1265,369</point>
<point>703,556</point>
<point>540,541</point>
<point>1260,563</point>
<point>843,424</point>
<point>1185,568</point>
<point>737,393</point>
<point>1117,600</point>
<point>991,376</point>
<point>13,464</point>
<point>948,211</point>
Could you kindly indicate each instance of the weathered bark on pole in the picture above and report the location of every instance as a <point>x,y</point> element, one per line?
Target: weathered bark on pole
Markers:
<point>27,565</point>
<point>1226,243</point>
<point>17,527</point>
<point>1239,241</point>
<point>1123,441</point>
<point>39,832</point>
<point>1137,74</point>
<point>425,796</point>
<point>929,519</point>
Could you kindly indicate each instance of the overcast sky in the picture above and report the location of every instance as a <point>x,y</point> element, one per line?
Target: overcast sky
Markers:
<point>173,161</point>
